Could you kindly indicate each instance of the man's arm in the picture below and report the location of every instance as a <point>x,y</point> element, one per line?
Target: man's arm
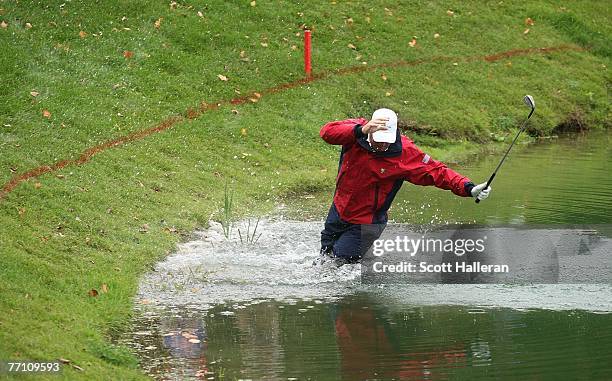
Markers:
<point>343,132</point>
<point>421,169</point>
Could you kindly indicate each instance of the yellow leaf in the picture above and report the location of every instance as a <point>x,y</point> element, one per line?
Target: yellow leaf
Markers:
<point>28,25</point>
<point>388,94</point>
<point>243,132</point>
<point>352,46</point>
<point>82,34</point>
<point>450,13</point>
<point>222,77</point>
<point>37,185</point>
<point>413,43</point>
<point>104,288</point>
<point>253,3</point>
<point>34,93</point>
<point>436,35</point>
<point>383,76</point>
<point>200,14</point>
<point>264,44</point>
<point>3,24</point>
<point>526,31</point>
<point>158,23</point>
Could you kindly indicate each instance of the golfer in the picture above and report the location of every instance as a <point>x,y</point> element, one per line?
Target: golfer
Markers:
<point>374,163</point>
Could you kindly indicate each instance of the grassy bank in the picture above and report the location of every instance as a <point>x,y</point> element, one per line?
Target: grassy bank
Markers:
<point>76,75</point>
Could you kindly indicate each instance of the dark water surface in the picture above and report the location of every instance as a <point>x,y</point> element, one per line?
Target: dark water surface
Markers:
<point>221,309</point>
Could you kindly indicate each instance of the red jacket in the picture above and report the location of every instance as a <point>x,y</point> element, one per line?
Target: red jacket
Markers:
<point>368,181</point>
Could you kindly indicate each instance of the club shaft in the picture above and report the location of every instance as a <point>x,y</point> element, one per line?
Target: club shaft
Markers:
<point>507,152</point>
<point>509,148</point>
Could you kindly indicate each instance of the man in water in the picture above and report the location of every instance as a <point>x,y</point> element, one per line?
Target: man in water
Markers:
<point>374,163</point>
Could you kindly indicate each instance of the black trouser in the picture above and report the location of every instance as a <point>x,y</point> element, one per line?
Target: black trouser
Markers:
<point>346,240</point>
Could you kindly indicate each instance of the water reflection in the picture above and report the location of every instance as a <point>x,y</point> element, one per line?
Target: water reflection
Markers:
<point>364,337</point>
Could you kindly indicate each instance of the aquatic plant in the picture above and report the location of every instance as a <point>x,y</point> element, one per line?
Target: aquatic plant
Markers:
<point>228,200</point>
<point>249,237</point>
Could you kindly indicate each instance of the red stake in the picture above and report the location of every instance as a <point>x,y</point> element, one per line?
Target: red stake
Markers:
<point>307,66</point>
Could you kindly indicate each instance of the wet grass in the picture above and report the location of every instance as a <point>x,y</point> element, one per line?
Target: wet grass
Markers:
<point>108,221</point>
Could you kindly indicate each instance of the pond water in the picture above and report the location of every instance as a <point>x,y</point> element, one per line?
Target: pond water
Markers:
<point>224,309</point>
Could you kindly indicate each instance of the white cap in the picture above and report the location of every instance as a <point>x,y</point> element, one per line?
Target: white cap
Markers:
<point>388,135</point>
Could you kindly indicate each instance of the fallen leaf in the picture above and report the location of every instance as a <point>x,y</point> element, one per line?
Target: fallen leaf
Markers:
<point>104,288</point>
<point>383,76</point>
<point>436,35</point>
<point>412,43</point>
<point>388,94</point>
<point>352,46</point>
<point>200,14</point>
<point>526,31</point>
<point>158,22</point>
<point>46,113</point>
<point>254,100</point>
<point>264,44</point>
<point>257,95</point>
<point>368,19</point>
<point>294,47</point>
<point>222,77</point>
<point>37,185</point>
<point>243,132</point>
<point>93,293</point>
<point>144,228</point>
<point>253,3</point>
<point>450,13</point>
<point>21,211</point>
<point>63,360</point>
<point>34,93</point>
<point>349,21</point>
<point>529,21</point>
<point>28,25</point>
<point>82,34</point>
<point>128,54</point>
<point>3,24</point>
<point>196,341</point>
<point>173,5</point>
<point>242,54</point>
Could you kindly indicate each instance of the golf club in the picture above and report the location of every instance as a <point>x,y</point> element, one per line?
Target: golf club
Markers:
<point>528,99</point>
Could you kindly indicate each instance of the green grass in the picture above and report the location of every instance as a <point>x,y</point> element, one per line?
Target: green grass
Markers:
<point>109,220</point>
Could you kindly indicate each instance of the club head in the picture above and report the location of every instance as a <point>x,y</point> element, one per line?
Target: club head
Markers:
<point>529,101</point>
